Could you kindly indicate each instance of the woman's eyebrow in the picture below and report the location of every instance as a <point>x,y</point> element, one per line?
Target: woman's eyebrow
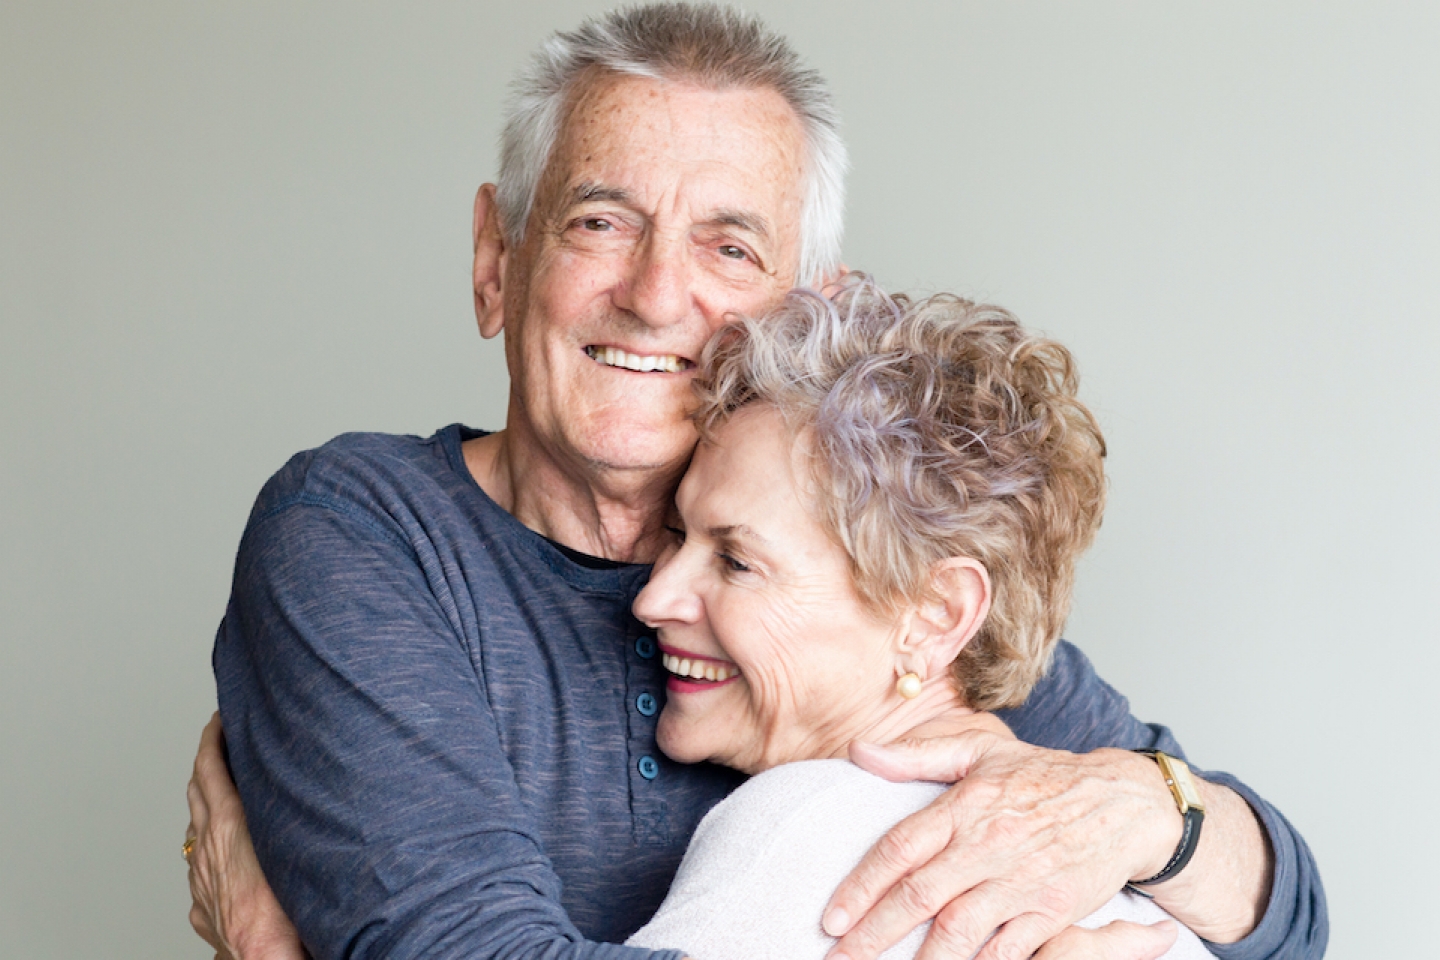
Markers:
<point>737,531</point>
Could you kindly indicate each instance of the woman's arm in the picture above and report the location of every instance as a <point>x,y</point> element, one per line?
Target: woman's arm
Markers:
<point>233,909</point>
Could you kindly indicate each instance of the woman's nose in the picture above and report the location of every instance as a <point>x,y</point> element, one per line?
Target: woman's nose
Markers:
<point>669,596</point>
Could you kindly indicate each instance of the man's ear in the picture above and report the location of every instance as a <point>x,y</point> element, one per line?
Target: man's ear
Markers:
<point>951,614</point>
<point>491,256</point>
<point>831,284</point>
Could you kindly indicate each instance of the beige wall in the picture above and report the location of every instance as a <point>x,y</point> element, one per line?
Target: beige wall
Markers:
<point>231,232</point>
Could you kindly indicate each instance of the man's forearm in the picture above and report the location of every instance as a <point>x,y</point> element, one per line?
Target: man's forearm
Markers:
<point>1074,709</point>
<point>1066,821</point>
<point>1222,893</point>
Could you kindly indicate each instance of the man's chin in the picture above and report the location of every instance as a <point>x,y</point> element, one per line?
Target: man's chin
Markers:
<point>666,454</point>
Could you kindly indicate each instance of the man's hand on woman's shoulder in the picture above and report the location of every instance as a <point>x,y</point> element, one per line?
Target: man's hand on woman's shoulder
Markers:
<point>1027,842</point>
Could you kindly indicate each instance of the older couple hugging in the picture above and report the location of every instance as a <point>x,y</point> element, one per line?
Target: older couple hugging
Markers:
<point>480,690</point>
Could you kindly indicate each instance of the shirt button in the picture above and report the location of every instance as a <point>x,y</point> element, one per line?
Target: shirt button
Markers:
<point>646,704</point>
<point>649,769</point>
<point>645,646</point>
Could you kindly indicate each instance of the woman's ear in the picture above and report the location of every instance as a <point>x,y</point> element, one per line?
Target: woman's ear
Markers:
<point>490,259</point>
<point>951,614</point>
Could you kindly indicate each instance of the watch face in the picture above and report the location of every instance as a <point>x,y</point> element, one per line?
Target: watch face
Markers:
<point>1180,782</point>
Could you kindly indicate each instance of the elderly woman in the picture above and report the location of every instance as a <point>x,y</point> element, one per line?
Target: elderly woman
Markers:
<point>877,538</point>
<point>875,542</point>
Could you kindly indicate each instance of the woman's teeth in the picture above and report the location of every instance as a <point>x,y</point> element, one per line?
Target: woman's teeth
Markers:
<point>698,669</point>
<point>615,357</point>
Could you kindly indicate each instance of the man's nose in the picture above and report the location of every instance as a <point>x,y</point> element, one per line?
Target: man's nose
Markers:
<point>658,288</point>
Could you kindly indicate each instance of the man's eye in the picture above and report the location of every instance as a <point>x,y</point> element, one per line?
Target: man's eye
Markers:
<point>677,532</point>
<point>733,252</point>
<point>596,224</point>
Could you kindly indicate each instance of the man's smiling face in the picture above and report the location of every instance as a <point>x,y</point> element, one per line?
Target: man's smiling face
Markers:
<point>666,209</point>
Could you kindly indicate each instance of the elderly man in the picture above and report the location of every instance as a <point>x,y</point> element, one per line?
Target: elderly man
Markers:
<point>439,709</point>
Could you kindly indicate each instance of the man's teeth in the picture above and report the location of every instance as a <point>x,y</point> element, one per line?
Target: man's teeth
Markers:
<point>698,669</point>
<point>615,357</point>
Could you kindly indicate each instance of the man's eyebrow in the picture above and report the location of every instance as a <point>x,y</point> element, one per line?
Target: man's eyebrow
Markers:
<point>586,192</point>
<point>744,219</point>
<point>736,531</point>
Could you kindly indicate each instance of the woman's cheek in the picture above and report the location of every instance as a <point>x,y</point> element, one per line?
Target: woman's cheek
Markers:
<point>772,692</point>
<point>681,738</point>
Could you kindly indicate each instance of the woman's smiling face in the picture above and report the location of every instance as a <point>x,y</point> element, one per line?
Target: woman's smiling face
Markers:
<point>757,607</point>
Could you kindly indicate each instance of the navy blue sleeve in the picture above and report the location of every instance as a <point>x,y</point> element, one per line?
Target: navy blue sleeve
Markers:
<point>1073,709</point>
<point>386,812</point>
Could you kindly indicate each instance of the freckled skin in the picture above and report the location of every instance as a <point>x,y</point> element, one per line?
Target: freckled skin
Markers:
<point>817,667</point>
<point>651,267</point>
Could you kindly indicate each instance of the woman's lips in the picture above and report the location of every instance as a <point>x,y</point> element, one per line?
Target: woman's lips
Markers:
<point>690,672</point>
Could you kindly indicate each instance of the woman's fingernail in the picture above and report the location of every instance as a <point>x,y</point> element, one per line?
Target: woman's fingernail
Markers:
<point>837,924</point>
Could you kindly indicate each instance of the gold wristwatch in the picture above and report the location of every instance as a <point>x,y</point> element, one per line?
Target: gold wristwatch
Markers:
<point>1192,809</point>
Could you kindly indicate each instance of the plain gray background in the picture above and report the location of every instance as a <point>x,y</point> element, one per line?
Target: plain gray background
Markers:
<point>231,231</point>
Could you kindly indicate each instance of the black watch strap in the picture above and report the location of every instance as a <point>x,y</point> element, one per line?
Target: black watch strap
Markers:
<point>1187,800</point>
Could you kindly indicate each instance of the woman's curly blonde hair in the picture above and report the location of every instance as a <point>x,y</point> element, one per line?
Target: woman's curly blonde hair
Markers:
<point>935,429</point>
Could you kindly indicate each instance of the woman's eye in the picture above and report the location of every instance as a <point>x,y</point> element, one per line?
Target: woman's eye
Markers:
<point>733,565</point>
<point>595,224</point>
<point>733,252</point>
<point>676,532</point>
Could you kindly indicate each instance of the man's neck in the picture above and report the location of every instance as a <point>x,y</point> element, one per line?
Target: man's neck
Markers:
<point>615,514</point>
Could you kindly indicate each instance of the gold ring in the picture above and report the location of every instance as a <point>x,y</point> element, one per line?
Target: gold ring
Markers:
<point>188,848</point>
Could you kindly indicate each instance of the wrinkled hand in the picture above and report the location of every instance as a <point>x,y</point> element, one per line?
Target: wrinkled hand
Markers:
<point>234,909</point>
<point>1027,842</point>
<point>1118,940</point>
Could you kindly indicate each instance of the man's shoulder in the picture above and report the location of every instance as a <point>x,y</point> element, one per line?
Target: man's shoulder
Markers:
<point>364,472</point>
<point>1073,708</point>
<point>362,454</point>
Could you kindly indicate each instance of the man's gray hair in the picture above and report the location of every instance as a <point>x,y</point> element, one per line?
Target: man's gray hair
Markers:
<point>706,44</point>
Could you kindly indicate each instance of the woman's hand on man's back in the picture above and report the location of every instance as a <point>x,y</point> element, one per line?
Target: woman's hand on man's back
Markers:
<point>233,908</point>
